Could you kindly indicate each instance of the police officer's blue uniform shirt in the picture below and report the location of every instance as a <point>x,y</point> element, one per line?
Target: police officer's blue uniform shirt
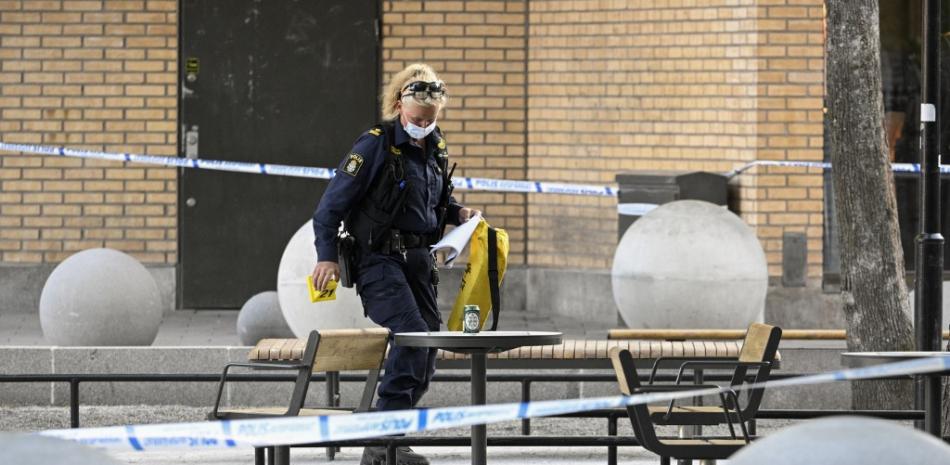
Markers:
<point>356,174</point>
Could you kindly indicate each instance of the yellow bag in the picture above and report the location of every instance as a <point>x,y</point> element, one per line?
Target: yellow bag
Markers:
<point>481,282</point>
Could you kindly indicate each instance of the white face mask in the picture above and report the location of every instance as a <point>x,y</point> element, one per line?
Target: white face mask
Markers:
<point>417,132</point>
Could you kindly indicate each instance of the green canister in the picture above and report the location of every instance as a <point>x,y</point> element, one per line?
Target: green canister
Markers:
<point>471,319</point>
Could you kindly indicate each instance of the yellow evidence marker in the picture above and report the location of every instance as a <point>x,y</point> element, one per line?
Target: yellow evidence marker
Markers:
<point>320,296</point>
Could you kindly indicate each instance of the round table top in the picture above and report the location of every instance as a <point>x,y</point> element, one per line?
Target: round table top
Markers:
<point>860,359</point>
<point>485,341</point>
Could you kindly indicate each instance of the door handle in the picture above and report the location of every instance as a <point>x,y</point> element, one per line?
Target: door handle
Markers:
<point>191,142</point>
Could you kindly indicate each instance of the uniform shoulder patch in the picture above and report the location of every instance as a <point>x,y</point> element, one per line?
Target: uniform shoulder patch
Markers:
<point>376,132</point>
<point>354,162</point>
<point>441,144</point>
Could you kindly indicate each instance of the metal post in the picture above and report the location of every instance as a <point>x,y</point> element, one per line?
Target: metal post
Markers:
<point>333,400</point>
<point>282,455</point>
<point>526,397</point>
<point>692,431</point>
<point>929,295</point>
<point>479,436</point>
<point>74,403</point>
<point>612,431</point>
<point>390,453</point>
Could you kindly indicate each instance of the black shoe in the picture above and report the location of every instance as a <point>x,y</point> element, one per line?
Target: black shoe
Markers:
<point>404,456</point>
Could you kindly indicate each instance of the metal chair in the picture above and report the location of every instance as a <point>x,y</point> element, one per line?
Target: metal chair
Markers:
<point>759,349</point>
<point>700,448</point>
<point>329,351</point>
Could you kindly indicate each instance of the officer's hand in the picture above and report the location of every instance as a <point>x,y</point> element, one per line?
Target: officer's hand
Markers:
<point>323,273</point>
<point>466,213</point>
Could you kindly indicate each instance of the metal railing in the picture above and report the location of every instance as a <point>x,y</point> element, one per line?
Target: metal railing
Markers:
<point>611,441</point>
<point>525,380</point>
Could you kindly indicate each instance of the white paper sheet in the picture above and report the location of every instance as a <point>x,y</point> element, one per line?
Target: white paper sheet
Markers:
<point>455,241</point>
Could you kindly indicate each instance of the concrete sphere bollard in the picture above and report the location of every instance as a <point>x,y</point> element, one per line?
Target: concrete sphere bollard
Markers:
<point>845,441</point>
<point>261,318</point>
<point>689,264</point>
<point>100,297</point>
<point>302,316</point>
<point>34,449</point>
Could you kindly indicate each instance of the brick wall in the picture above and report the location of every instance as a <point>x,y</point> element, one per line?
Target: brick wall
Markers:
<point>97,75</point>
<point>790,92</point>
<point>618,86</point>
<point>673,85</point>
<point>478,48</point>
<point>539,89</point>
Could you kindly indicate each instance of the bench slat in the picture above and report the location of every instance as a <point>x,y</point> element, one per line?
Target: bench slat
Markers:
<point>590,349</point>
<point>666,349</point>
<point>275,350</point>
<point>287,350</point>
<point>709,347</point>
<point>699,349</point>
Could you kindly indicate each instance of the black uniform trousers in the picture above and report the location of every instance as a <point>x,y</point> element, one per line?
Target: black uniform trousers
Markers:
<point>398,294</point>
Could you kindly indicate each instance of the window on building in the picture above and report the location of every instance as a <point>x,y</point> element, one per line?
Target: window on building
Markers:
<point>901,78</point>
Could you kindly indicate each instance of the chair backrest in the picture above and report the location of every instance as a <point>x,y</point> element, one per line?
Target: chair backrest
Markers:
<point>354,349</point>
<point>351,349</point>
<point>336,350</point>
<point>639,414</point>
<point>760,345</point>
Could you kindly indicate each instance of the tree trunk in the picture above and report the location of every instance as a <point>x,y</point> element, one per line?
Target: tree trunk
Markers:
<point>873,292</point>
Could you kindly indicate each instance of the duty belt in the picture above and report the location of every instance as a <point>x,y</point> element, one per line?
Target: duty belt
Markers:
<point>399,241</point>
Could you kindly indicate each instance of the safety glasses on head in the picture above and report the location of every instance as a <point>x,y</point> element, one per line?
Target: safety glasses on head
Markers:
<point>421,90</point>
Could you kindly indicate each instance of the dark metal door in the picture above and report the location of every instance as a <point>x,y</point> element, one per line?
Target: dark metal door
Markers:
<point>273,81</point>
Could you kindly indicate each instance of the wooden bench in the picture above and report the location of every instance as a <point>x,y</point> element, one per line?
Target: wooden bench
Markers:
<point>572,353</point>
<point>590,353</point>
<point>726,334</point>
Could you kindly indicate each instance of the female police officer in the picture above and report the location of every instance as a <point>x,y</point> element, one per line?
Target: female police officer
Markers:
<point>392,194</point>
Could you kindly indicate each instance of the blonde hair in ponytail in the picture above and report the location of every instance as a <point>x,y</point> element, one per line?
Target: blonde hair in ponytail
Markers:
<point>393,93</point>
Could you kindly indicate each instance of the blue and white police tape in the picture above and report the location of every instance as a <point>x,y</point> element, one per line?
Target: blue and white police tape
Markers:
<point>309,430</point>
<point>898,167</point>
<point>176,162</point>
<point>476,184</point>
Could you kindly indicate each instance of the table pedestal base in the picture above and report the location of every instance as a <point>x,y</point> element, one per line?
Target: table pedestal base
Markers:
<point>479,432</point>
